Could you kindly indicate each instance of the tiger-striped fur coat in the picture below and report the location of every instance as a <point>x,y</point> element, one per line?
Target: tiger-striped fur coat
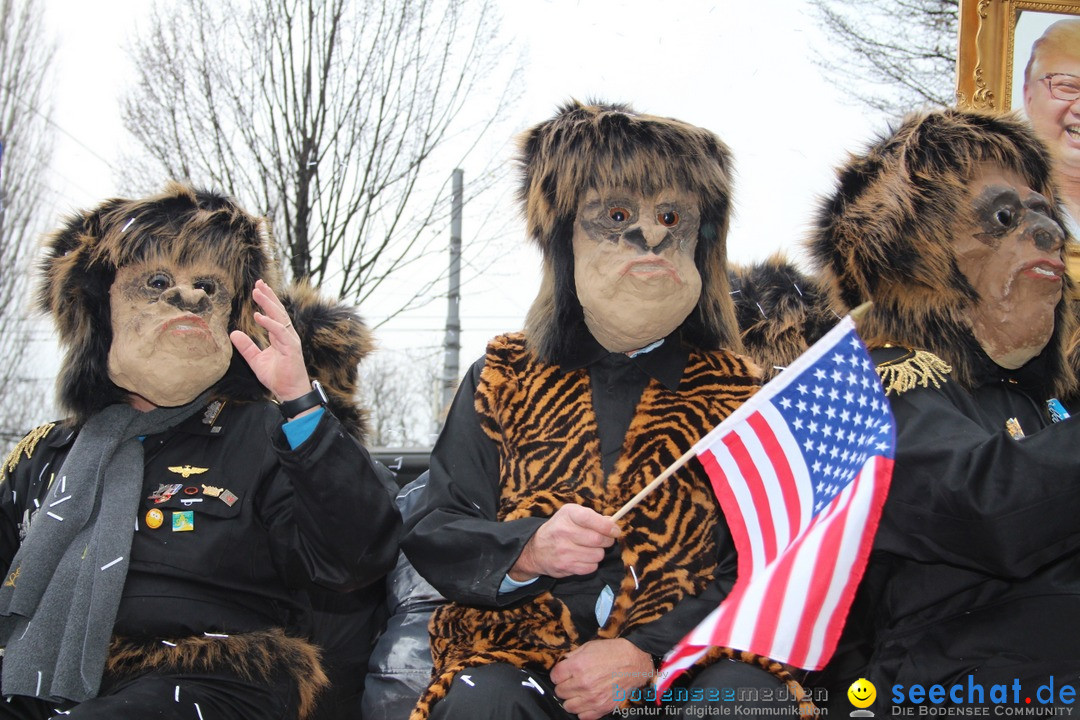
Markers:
<point>542,419</point>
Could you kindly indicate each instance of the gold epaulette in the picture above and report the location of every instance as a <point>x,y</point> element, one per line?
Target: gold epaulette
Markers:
<point>26,446</point>
<point>918,368</point>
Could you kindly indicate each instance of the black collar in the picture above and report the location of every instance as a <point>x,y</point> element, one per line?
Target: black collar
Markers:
<point>1034,376</point>
<point>665,364</point>
<point>211,420</point>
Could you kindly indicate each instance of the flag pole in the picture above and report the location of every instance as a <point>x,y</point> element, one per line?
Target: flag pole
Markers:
<point>856,315</point>
<point>860,310</point>
<point>653,485</point>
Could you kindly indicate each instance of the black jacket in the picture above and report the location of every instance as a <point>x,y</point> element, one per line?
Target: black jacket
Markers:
<point>253,526</point>
<point>976,563</point>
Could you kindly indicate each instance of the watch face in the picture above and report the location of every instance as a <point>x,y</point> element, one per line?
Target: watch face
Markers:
<point>317,387</point>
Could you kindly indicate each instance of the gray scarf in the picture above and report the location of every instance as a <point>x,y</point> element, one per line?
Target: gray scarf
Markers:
<point>60,597</point>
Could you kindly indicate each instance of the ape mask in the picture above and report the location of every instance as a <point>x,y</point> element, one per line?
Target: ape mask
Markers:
<point>951,225</point>
<point>166,277</point>
<point>631,214</point>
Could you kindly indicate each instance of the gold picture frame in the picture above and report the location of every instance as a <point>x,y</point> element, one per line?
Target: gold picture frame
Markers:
<point>995,43</point>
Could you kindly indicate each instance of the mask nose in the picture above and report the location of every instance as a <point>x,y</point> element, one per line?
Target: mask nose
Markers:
<point>188,299</point>
<point>650,237</point>
<point>658,237</point>
<point>1046,234</point>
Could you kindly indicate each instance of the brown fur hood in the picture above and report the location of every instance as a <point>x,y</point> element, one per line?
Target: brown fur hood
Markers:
<point>781,311</point>
<point>79,265</point>
<point>885,234</point>
<point>586,146</point>
<point>335,340</point>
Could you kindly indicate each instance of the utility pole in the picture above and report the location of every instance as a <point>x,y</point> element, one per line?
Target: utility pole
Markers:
<point>452,341</point>
<point>3,199</point>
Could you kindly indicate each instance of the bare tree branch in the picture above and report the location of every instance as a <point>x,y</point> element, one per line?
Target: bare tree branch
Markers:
<point>895,55</point>
<point>26,56</point>
<point>340,119</point>
<point>401,390</point>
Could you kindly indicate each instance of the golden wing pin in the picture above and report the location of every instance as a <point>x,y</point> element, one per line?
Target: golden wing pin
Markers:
<point>186,471</point>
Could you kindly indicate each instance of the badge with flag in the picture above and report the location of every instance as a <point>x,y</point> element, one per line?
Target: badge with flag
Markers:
<point>801,471</point>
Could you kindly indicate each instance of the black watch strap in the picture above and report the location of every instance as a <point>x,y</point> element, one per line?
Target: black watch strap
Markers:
<point>292,408</point>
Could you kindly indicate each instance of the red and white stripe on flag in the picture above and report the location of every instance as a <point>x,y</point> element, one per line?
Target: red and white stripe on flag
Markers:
<point>801,471</point>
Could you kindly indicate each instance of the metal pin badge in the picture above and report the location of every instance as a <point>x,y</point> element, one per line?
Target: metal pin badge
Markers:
<point>186,471</point>
<point>1013,426</point>
<point>1057,410</point>
<point>183,520</point>
<point>154,518</point>
<point>164,492</point>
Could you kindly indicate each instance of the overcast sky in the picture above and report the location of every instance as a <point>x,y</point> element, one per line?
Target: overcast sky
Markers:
<point>742,69</point>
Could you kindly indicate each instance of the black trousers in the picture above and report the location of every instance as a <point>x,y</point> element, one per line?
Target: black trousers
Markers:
<point>502,691</point>
<point>167,696</point>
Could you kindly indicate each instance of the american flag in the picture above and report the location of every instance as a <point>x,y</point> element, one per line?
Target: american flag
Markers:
<point>801,471</point>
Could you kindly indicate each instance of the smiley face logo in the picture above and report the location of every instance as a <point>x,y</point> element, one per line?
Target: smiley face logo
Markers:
<point>862,693</point>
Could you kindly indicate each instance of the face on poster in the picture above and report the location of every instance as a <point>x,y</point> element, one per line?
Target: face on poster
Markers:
<point>1030,26</point>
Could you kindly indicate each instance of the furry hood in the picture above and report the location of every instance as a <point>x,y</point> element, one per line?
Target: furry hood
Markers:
<point>592,146</point>
<point>335,340</point>
<point>781,311</point>
<point>181,223</point>
<point>885,235</point>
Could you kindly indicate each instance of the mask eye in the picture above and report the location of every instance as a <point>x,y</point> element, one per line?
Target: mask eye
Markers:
<point>1004,216</point>
<point>619,214</point>
<point>159,281</point>
<point>207,286</point>
<point>669,218</point>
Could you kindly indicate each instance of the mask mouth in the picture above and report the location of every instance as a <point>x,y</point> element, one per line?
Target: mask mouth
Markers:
<point>186,323</point>
<point>1046,269</point>
<point>650,267</point>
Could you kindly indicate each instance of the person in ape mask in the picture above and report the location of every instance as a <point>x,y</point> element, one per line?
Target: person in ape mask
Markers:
<point>629,355</point>
<point>952,226</point>
<point>162,544</point>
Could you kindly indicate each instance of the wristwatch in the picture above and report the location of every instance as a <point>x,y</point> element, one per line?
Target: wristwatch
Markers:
<point>292,408</point>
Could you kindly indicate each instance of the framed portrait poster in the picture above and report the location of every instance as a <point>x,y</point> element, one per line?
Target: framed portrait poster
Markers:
<point>995,44</point>
<point>996,38</point>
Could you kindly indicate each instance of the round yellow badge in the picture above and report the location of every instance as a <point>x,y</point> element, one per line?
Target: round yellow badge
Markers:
<point>154,518</point>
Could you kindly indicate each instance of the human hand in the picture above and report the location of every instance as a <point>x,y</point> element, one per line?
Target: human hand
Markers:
<point>280,366</point>
<point>570,542</point>
<point>585,679</point>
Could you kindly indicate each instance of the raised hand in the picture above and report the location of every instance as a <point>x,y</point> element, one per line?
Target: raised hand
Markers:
<point>280,366</point>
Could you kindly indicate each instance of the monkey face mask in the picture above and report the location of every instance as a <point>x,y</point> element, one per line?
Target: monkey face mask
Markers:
<point>634,264</point>
<point>1010,250</point>
<point>170,330</point>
